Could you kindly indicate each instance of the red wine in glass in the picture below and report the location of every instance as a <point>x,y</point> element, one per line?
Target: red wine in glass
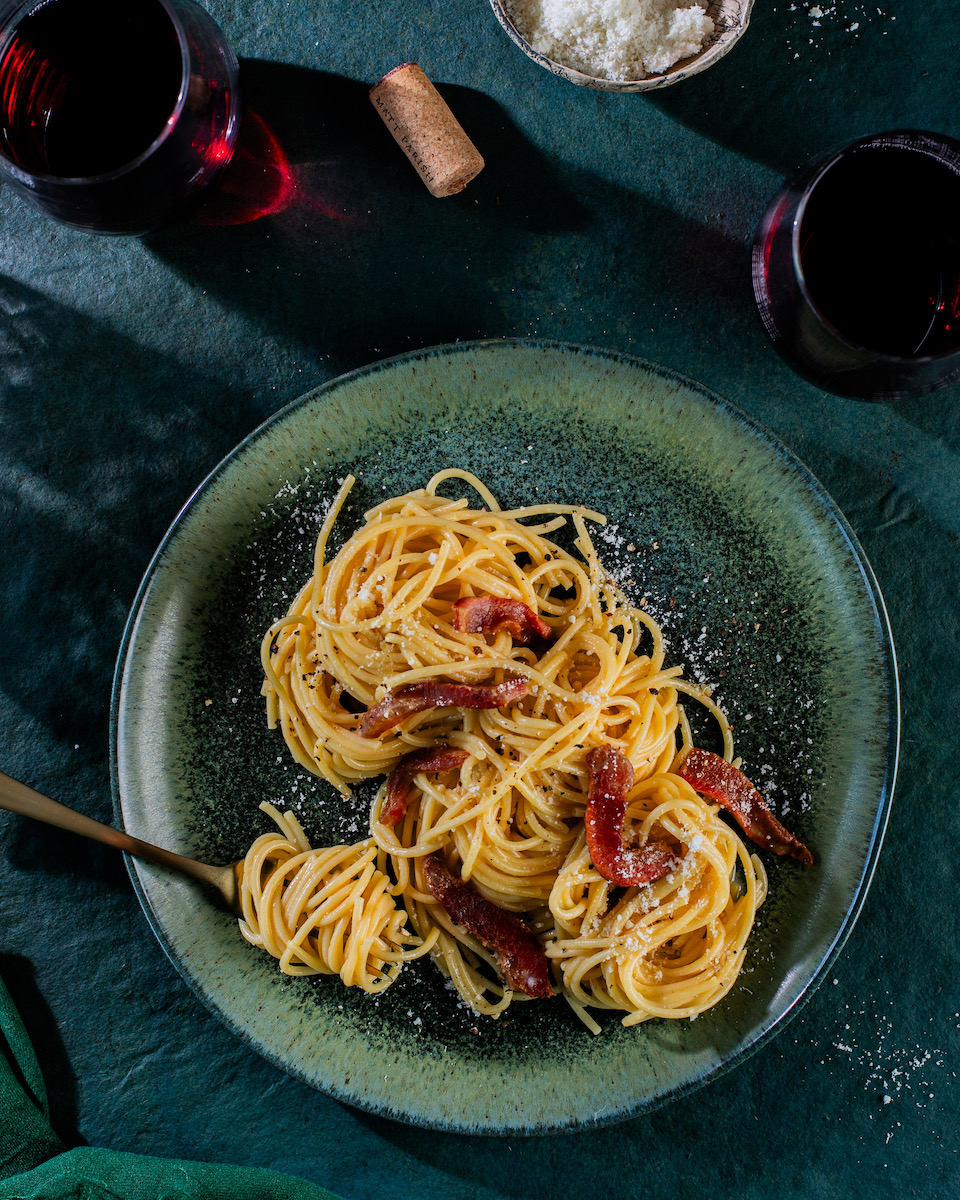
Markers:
<point>856,267</point>
<point>115,114</point>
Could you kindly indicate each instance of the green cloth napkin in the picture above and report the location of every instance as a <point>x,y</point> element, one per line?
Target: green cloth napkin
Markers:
<point>35,1165</point>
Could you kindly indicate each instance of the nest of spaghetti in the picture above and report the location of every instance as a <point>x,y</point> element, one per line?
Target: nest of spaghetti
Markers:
<point>544,826</point>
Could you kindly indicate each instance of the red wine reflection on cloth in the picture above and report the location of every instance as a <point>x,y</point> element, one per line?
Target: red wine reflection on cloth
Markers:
<point>879,251</point>
<point>87,85</point>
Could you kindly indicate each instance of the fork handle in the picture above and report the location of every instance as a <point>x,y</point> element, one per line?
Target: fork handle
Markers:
<point>16,797</point>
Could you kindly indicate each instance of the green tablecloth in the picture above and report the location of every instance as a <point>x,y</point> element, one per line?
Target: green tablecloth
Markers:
<point>35,1164</point>
<point>128,368</point>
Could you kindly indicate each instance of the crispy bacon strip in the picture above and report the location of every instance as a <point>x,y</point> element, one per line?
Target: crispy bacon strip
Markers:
<point>491,614</point>
<point>610,778</point>
<point>521,961</point>
<point>715,777</point>
<point>400,780</point>
<point>418,697</point>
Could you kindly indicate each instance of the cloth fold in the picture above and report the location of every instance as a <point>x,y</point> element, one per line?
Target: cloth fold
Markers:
<point>35,1164</point>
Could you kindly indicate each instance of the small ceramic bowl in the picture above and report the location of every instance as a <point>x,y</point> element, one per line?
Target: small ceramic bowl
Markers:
<point>730,19</point>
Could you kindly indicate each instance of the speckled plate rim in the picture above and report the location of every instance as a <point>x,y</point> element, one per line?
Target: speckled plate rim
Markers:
<point>871,594</point>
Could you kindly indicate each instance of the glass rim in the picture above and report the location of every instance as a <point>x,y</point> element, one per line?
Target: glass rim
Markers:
<point>169,6</point>
<point>931,145</point>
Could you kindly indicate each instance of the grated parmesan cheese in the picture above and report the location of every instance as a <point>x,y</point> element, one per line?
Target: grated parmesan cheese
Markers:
<point>613,39</point>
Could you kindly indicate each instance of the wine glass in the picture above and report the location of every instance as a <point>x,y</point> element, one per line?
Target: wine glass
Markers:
<point>114,115</point>
<point>856,267</point>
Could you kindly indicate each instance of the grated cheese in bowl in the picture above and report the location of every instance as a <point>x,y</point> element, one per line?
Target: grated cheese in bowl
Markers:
<point>618,40</point>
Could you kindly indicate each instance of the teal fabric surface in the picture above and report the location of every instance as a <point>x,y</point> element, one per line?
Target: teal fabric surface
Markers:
<point>129,368</point>
<point>35,1165</point>
<point>26,1139</point>
<point>87,1174</point>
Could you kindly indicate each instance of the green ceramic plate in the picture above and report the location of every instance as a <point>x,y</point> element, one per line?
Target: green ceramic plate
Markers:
<point>762,591</point>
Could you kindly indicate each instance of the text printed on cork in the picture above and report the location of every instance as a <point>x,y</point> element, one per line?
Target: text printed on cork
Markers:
<point>426,130</point>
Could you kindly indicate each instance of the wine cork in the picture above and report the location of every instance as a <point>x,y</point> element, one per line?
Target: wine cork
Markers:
<point>426,130</point>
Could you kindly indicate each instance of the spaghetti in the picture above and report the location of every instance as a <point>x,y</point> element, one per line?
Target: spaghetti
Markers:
<point>525,716</point>
<point>323,912</point>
